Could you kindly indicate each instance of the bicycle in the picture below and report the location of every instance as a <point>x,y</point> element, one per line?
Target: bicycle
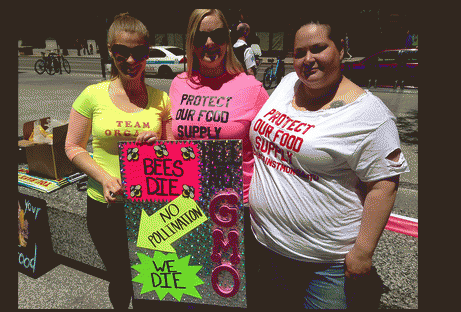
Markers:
<point>57,59</point>
<point>274,75</point>
<point>44,64</point>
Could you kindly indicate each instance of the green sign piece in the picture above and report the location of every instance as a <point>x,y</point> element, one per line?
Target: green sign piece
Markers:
<point>165,273</point>
<point>169,223</point>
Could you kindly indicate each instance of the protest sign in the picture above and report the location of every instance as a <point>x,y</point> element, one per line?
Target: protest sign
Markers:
<point>184,217</point>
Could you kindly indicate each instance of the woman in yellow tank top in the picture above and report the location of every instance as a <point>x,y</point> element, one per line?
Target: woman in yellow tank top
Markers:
<point>123,108</point>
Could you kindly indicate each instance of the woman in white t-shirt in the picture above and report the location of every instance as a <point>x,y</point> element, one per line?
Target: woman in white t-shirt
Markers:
<point>327,166</point>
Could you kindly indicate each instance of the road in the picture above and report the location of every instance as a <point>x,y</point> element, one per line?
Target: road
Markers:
<point>396,257</point>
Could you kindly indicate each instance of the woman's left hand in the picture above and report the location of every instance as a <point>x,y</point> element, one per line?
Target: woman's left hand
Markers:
<point>358,263</point>
<point>147,136</point>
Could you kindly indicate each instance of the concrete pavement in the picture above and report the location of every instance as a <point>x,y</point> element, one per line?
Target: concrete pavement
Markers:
<point>63,288</point>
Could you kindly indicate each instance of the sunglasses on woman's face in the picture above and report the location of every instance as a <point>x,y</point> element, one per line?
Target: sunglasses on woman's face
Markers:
<point>219,36</point>
<point>139,53</point>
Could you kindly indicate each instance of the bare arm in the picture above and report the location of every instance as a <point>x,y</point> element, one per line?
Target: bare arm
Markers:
<point>378,205</point>
<point>78,134</point>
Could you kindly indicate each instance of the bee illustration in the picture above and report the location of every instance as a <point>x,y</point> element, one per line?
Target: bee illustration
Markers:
<point>135,191</point>
<point>188,191</point>
<point>160,150</point>
<point>188,153</point>
<point>132,154</point>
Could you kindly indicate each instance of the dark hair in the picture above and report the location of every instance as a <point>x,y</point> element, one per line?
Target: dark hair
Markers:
<point>333,23</point>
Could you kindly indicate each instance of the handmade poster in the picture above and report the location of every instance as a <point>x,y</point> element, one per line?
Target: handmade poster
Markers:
<point>35,253</point>
<point>184,217</point>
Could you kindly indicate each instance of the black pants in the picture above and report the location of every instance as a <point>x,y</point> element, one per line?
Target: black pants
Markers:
<point>108,230</point>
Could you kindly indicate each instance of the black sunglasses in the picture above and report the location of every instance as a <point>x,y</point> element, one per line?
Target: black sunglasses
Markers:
<point>140,52</point>
<point>219,36</point>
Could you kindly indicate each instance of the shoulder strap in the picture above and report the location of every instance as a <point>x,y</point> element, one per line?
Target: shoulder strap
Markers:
<point>240,54</point>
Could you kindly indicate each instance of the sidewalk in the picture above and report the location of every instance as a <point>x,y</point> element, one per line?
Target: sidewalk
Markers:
<point>63,288</point>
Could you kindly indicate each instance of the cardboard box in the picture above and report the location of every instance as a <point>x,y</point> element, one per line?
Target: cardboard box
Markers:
<point>44,159</point>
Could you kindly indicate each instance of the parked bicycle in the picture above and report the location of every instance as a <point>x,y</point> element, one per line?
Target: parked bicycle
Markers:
<point>59,62</point>
<point>274,75</point>
<point>52,64</point>
<point>44,64</point>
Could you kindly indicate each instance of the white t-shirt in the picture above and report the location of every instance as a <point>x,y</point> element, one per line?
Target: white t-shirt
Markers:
<point>248,55</point>
<point>305,197</point>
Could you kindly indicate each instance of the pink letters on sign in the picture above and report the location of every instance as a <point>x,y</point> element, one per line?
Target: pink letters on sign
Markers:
<point>225,203</point>
<point>219,244</point>
<point>161,171</point>
<point>218,289</point>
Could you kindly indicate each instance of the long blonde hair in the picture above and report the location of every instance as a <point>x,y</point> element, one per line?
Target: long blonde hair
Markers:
<point>125,23</point>
<point>233,66</point>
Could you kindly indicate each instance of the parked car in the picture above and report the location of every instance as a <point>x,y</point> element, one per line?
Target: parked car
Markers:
<point>166,60</point>
<point>388,68</point>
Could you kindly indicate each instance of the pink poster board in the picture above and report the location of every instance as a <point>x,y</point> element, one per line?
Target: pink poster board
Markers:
<point>160,172</point>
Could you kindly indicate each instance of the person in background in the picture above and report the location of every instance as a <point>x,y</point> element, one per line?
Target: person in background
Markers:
<point>325,181</point>
<point>347,47</point>
<point>243,51</point>
<point>409,40</point>
<point>85,47</point>
<point>123,108</point>
<point>78,45</point>
<point>216,82</point>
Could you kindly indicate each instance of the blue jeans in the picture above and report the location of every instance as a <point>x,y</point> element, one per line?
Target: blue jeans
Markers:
<point>326,289</point>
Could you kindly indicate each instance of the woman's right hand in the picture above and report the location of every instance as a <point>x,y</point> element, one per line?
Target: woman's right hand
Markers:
<point>147,136</point>
<point>112,187</point>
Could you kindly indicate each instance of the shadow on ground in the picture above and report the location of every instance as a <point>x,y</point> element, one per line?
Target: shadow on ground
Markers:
<point>408,127</point>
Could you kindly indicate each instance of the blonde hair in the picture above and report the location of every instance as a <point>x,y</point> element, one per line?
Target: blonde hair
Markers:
<point>125,23</point>
<point>233,66</point>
